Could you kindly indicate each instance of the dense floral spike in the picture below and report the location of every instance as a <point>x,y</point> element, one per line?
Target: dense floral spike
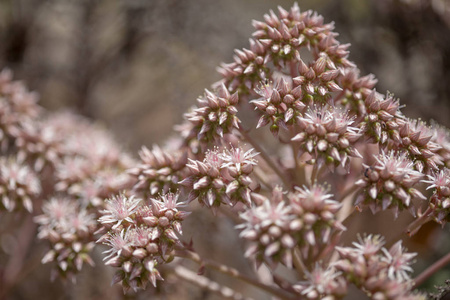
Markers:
<point>327,135</point>
<point>323,284</point>
<point>222,178</point>
<point>276,227</point>
<point>389,184</point>
<point>415,137</point>
<point>279,40</point>
<point>214,117</point>
<point>440,200</point>
<point>19,185</point>
<point>145,238</point>
<point>380,273</point>
<point>159,170</point>
<point>69,228</point>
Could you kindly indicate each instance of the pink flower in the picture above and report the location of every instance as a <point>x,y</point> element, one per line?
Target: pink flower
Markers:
<point>119,209</point>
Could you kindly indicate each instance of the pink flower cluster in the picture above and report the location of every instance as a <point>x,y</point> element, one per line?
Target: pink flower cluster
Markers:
<point>338,148</point>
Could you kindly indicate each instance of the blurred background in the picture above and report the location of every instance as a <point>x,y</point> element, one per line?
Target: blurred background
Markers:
<point>136,65</point>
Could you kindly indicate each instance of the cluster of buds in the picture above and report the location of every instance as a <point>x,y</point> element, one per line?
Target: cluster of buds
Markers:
<point>268,228</point>
<point>322,284</point>
<point>158,171</point>
<point>440,200</point>
<point>388,184</point>
<point>214,117</point>
<point>380,273</point>
<point>69,228</point>
<point>19,185</point>
<point>306,221</point>
<point>279,40</point>
<point>222,178</point>
<point>317,81</point>
<point>280,105</point>
<point>315,219</point>
<point>355,90</point>
<point>327,135</point>
<point>141,237</point>
<point>380,117</point>
<point>283,104</point>
<point>415,137</point>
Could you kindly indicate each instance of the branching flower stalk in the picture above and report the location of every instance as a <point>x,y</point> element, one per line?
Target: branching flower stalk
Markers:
<point>337,147</point>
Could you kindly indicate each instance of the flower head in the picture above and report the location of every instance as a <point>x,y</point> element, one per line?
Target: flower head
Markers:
<point>222,178</point>
<point>119,209</point>
<point>69,228</point>
<point>159,170</point>
<point>214,117</point>
<point>237,158</point>
<point>19,185</point>
<point>268,228</point>
<point>327,135</point>
<point>440,200</point>
<point>415,137</point>
<point>399,262</point>
<point>389,183</point>
<point>148,240</point>
<point>321,283</point>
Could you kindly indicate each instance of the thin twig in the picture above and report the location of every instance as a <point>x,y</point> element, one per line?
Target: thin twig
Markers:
<point>314,173</point>
<point>300,170</point>
<point>298,263</point>
<point>207,284</point>
<point>350,190</point>
<point>417,223</point>
<point>233,273</point>
<point>444,261</point>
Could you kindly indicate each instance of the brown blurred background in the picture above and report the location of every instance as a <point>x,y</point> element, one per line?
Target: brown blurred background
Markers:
<point>137,65</point>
